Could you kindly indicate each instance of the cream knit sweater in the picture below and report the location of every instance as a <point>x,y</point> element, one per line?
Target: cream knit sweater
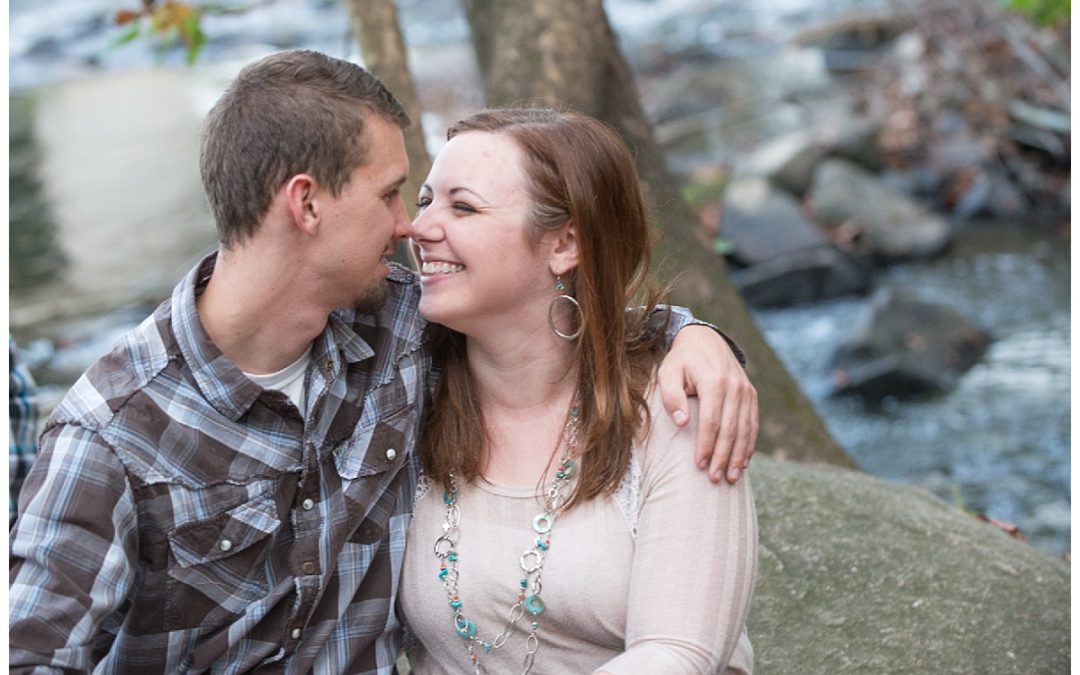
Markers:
<point>655,579</point>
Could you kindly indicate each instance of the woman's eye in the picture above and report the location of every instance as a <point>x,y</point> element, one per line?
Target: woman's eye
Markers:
<point>463,207</point>
<point>423,202</point>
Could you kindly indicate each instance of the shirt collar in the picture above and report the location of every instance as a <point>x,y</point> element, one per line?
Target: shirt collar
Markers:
<point>231,392</point>
<point>225,387</point>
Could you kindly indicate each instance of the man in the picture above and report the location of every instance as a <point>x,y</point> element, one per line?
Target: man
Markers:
<point>228,490</point>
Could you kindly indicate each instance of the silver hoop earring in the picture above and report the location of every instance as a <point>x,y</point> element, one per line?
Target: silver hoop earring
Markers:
<point>561,294</point>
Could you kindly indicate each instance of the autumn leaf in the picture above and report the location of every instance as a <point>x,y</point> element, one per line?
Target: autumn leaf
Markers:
<point>172,16</point>
<point>126,16</point>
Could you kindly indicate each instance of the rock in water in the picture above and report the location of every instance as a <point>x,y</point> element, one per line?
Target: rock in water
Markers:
<point>904,346</point>
<point>893,226</point>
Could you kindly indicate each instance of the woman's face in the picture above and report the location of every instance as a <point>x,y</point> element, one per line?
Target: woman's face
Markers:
<point>479,269</point>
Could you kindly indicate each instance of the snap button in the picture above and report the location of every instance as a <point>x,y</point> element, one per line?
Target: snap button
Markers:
<point>225,545</point>
<point>308,567</point>
<point>296,633</point>
<point>309,504</point>
<point>391,454</point>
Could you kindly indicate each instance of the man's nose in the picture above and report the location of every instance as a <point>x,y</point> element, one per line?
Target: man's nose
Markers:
<point>402,224</point>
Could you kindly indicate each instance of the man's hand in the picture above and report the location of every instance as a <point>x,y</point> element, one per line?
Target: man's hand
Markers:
<point>701,363</point>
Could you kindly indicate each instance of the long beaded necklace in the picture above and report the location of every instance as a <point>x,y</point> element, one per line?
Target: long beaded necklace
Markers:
<point>531,561</point>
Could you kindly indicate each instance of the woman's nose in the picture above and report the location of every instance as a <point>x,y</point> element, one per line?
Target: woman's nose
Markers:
<point>424,226</point>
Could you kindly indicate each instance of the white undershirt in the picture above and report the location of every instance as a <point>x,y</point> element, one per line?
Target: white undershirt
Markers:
<point>289,381</point>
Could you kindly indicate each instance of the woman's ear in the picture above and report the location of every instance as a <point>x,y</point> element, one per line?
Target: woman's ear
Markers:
<point>300,194</point>
<point>564,249</point>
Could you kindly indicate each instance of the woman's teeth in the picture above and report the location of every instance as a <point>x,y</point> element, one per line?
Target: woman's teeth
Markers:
<point>440,268</point>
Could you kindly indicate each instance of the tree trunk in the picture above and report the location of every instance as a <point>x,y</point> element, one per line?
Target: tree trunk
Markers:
<point>375,26</point>
<point>563,53</point>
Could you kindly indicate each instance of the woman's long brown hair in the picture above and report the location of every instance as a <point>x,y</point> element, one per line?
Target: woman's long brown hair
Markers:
<point>577,169</point>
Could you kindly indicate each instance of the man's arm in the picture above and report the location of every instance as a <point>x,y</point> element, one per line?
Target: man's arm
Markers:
<point>704,362</point>
<point>72,552</point>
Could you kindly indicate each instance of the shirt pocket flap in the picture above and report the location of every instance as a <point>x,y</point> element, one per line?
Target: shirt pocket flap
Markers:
<point>378,448</point>
<point>226,534</point>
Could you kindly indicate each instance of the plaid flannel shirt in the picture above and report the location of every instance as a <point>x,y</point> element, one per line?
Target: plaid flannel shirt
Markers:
<point>182,519</point>
<point>22,425</point>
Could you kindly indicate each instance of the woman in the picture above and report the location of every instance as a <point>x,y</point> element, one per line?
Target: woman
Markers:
<point>562,529</point>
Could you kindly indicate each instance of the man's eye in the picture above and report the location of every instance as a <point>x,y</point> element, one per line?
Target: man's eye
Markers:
<point>390,196</point>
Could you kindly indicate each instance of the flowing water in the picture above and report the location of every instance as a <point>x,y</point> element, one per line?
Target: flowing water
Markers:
<point>998,443</point>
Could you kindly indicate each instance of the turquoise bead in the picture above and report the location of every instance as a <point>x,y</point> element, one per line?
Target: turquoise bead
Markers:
<point>468,632</point>
<point>443,572</point>
<point>569,468</point>
<point>534,605</point>
<point>455,604</point>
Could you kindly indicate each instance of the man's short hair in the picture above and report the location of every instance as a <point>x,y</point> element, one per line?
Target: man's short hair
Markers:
<point>289,113</point>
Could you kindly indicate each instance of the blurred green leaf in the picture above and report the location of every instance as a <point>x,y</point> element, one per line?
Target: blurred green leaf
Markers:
<point>127,36</point>
<point>194,37</point>
<point>1042,12</point>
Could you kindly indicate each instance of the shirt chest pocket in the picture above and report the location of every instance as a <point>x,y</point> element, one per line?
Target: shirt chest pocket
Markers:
<point>372,467</point>
<point>378,448</point>
<point>218,566</point>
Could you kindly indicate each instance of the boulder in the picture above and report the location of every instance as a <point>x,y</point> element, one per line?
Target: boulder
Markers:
<point>858,575</point>
<point>762,222</point>
<point>788,160</point>
<point>781,257</point>
<point>803,276</point>
<point>892,226</point>
<point>857,141</point>
<point>904,346</point>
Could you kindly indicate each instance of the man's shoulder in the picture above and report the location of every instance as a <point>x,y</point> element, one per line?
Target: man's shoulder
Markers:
<point>128,367</point>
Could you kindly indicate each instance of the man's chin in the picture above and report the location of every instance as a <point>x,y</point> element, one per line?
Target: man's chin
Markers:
<point>373,298</point>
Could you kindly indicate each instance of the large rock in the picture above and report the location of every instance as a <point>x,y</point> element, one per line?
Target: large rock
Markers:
<point>784,259</point>
<point>763,222</point>
<point>891,226</point>
<point>857,575</point>
<point>904,346</point>
<point>803,276</point>
<point>788,160</point>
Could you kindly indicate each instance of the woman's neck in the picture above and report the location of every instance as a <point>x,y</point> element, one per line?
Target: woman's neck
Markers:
<point>525,388</point>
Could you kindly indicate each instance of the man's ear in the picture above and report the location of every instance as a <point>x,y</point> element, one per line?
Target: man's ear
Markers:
<point>300,195</point>
<point>564,249</point>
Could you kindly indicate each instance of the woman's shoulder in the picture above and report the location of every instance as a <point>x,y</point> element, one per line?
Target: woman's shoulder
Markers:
<point>665,446</point>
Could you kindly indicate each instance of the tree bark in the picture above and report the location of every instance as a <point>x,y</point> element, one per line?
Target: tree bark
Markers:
<point>563,53</point>
<point>375,26</point>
